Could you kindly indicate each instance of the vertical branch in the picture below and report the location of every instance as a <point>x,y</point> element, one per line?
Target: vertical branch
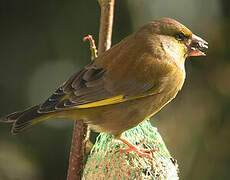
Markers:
<point>106,25</point>
<point>76,160</point>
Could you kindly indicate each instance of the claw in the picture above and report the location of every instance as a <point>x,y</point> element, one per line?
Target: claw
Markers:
<point>137,149</point>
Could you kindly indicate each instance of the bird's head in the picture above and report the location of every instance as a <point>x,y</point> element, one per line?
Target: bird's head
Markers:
<point>175,39</point>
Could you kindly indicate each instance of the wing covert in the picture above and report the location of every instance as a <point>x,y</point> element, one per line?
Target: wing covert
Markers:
<point>96,86</point>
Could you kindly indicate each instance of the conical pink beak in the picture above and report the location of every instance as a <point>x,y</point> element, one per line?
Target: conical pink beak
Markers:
<point>196,47</point>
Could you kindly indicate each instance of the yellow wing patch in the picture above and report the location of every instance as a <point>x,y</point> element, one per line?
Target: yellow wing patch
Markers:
<point>113,100</point>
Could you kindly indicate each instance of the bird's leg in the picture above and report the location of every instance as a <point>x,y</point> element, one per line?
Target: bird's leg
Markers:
<point>137,149</point>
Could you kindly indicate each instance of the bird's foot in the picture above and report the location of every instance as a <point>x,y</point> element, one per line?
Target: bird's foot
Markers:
<point>140,151</point>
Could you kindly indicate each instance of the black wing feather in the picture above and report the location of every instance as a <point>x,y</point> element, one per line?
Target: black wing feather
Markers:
<point>83,87</point>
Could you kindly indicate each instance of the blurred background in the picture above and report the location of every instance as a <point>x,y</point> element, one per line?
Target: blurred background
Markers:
<point>41,46</point>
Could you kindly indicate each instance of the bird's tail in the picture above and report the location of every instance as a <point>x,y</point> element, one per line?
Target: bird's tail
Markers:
<point>24,119</point>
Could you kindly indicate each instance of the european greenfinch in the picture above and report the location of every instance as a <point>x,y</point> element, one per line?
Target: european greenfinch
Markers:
<point>125,85</point>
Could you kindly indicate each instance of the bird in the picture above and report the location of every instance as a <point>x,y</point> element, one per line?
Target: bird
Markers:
<point>125,85</point>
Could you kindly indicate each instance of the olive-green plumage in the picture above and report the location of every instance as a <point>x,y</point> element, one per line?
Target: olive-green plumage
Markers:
<point>127,84</point>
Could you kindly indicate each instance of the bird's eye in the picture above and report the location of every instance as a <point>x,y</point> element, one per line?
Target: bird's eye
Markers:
<point>180,36</point>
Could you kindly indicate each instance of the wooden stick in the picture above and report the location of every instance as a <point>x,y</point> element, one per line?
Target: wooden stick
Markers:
<point>106,25</point>
<point>76,160</point>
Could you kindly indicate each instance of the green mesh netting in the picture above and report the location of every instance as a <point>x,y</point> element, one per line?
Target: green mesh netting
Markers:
<point>107,162</point>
